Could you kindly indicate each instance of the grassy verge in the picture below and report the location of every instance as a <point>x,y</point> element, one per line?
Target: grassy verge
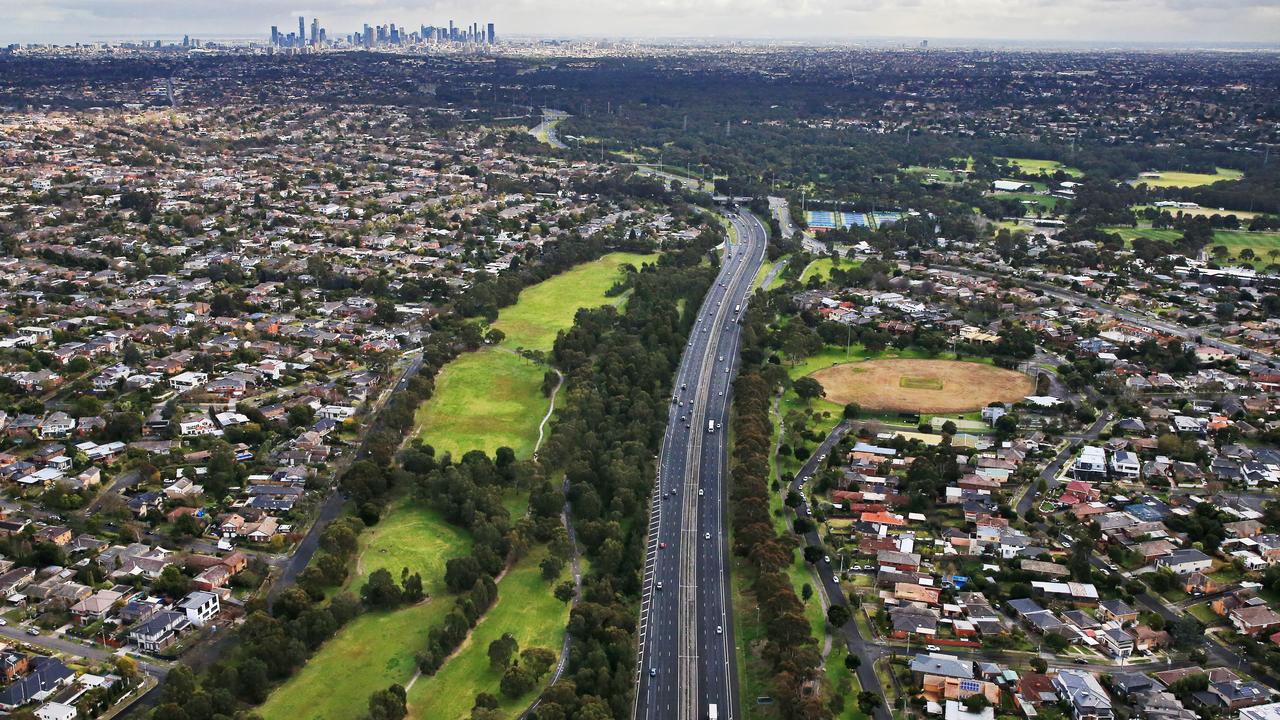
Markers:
<point>484,400</point>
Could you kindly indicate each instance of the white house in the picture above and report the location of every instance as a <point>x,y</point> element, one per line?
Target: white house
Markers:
<point>189,380</point>
<point>56,711</point>
<point>200,607</point>
<point>1126,464</point>
<point>196,425</point>
<point>337,413</point>
<point>1091,464</point>
<point>57,424</point>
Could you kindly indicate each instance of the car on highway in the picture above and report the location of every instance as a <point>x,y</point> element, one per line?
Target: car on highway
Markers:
<point>653,672</point>
<point>33,631</point>
<point>719,630</point>
<point>662,546</point>
<point>659,584</point>
<point>706,536</point>
<point>933,648</point>
<point>826,558</point>
<point>699,492</point>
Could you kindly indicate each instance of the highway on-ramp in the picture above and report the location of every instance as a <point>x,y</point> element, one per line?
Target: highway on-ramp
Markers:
<point>686,660</point>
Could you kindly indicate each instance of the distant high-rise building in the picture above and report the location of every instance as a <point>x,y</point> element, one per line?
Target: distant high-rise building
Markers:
<point>368,36</point>
<point>315,31</point>
<point>302,31</point>
<point>489,36</point>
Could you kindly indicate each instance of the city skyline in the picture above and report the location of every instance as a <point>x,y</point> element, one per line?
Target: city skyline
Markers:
<point>1127,21</point>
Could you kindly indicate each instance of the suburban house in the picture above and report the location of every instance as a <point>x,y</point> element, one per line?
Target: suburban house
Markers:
<point>159,631</point>
<point>1088,700</point>
<point>200,606</point>
<point>1185,561</point>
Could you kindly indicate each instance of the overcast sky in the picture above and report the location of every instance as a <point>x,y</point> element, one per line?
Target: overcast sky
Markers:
<point>1169,21</point>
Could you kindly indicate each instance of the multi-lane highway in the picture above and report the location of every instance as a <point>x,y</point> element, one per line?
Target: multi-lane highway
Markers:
<point>686,656</point>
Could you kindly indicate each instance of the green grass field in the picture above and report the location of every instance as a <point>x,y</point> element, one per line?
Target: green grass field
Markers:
<point>1261,243</point>
<point>376,649</point>
<point>1041,167</point>
<point>822,268</point>
<point>411,536</point>
<point>1048,203</point>
<point>1173,178</point>
<point>483,401</point>
<point>527,609</point>
<point>549,307</point>
<point>920,383</point>
<point>941,175</point>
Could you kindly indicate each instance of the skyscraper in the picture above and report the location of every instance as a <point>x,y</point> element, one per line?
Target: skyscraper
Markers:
<point>275,35</point>
<point>315,31</point>
<point>489,33</point>
<point>368,36</point>
<point>302,31</point>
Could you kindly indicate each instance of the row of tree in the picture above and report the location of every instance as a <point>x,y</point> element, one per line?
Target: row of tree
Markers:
<point>788,646</point>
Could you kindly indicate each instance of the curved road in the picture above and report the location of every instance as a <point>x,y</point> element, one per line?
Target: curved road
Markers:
<point>686,656</point>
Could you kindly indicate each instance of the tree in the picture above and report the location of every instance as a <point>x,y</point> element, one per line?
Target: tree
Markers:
<point>852,662</point>
<point>461,573</point>
<point>976,702</point>
<point>1039,664</point>
<point>387,704</point>
<point>837,615</point>
<point>380,591</point>
<point>516,681</point>
<point>538,661</point>
<point>551,567</point>
<point>1186,632</point>
<point>812,554</point>
<point>807,388</point>
<point>852,411</point>
<point>564,592</point>
<point>868,701</point>
<point>502,650</point>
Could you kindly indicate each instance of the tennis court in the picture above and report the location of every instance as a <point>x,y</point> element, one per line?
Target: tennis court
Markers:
<point>887,218</point>
<point>821,219</point>
<point>854,219</point>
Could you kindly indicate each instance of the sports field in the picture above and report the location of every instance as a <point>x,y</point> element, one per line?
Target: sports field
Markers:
<point>1236,241</point>
<point>927,386</point>
<point>549,307</point>
<point>528,610</point>
<point>483,401</point>
<point>1173,178</point>
<point>1042,167</point>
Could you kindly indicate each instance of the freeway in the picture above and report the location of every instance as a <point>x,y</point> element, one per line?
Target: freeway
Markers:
<point>686,658</point>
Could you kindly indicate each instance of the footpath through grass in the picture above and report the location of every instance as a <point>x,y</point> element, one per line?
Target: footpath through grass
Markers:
<point>550,306</point>
<point>377,648</point>
<point>528,610</point>
<point>483,401</point>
